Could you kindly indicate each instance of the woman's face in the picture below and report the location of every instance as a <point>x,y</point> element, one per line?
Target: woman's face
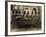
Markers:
<point>33,13</point>
<point>16,7</point>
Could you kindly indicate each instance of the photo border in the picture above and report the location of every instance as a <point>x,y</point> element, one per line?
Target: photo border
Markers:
<point>6,18</point>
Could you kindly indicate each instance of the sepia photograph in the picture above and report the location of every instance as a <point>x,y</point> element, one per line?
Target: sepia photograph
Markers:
<point>25,18</point>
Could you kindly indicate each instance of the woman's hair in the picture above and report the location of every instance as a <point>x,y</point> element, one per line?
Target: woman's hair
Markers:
<point>35,11</point>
